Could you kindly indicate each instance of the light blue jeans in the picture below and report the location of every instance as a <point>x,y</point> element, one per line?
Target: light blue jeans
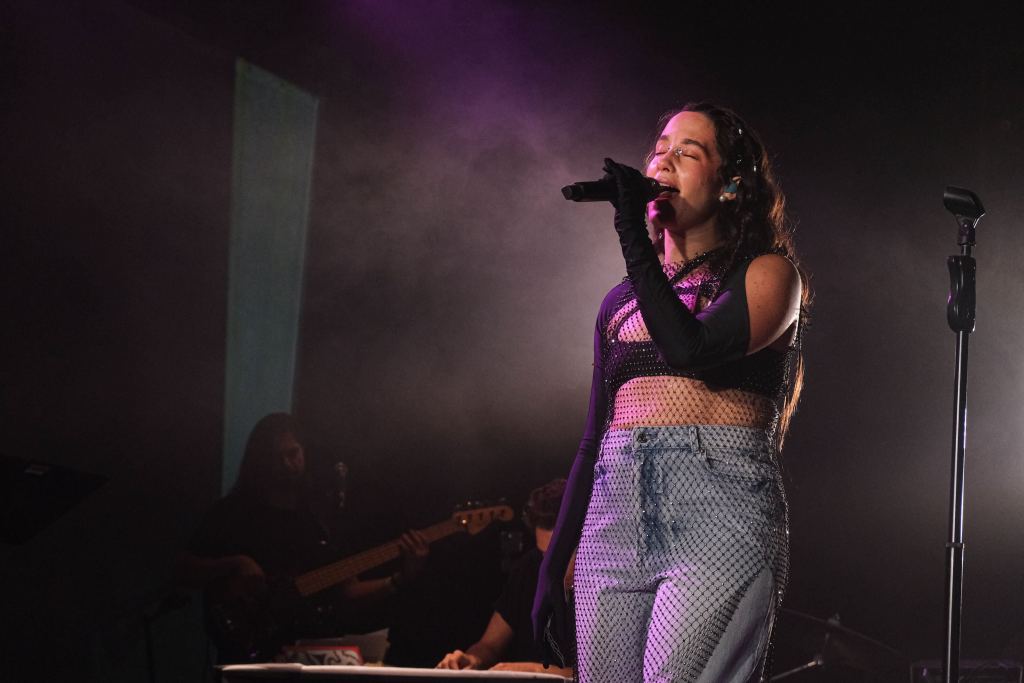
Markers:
<point>683,556</point>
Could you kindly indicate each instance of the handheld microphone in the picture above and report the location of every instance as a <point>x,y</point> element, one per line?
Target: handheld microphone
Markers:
<point>604,190</point>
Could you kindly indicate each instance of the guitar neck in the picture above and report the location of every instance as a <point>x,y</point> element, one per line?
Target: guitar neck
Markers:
<point>351,567</point>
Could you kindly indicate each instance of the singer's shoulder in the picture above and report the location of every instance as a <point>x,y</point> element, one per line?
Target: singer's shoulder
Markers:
<point>612,300</point>
<point>773,283</point>
<point>773,269</point>
<point>615,294</point>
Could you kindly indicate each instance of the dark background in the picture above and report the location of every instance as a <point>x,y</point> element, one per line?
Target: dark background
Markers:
<point>450,292</point>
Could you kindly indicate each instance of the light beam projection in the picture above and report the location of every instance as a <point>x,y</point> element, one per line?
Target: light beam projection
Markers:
<point>274,134</point>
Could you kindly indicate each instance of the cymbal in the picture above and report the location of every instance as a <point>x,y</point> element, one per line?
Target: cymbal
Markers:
<point>840,645</point>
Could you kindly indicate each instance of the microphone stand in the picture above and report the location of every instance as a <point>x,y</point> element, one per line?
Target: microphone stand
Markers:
<point>960,307</point>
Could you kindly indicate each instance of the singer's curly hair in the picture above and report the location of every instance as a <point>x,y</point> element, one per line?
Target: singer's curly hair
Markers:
<point>756,221</point>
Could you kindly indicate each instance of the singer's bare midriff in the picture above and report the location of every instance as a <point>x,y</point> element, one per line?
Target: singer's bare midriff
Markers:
<point>666,401</point>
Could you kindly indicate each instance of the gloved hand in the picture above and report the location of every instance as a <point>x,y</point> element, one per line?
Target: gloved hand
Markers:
<point>633,191</point>
<point>553,622</point>
<point>550,614</point>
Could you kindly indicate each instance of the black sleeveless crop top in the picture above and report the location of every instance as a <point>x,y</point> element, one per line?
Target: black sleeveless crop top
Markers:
<point>713,349</point>
<point>765,372</point>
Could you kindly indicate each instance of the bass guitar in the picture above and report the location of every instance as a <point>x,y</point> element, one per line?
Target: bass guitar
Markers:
<point>248,629</point>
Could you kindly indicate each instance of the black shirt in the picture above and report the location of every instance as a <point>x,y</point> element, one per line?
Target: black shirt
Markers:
<point>514,605</point>
<point>283,542</point>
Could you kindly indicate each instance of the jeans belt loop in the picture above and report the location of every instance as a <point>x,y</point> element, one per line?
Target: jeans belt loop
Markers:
<point>695,436</point>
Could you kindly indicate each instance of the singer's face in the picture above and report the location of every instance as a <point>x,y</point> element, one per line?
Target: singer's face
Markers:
<point>686,158</point>
<point>292,456</point>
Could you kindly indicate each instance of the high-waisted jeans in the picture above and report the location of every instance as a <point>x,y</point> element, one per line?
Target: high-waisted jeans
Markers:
<point>683,556</point>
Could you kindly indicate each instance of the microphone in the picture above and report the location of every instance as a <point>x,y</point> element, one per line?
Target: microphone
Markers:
<point>340,484</point>
<point>604,190</point>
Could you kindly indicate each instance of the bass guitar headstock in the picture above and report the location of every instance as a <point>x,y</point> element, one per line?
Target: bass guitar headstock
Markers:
<point>475,519</point>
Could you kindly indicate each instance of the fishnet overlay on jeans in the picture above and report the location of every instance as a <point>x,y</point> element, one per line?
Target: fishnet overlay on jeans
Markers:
<point>682,521</point>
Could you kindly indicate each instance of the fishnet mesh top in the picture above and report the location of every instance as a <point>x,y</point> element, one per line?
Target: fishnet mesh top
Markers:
<point>635,386</point>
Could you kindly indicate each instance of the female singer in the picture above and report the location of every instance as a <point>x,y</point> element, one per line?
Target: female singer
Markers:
<point>675,498</point>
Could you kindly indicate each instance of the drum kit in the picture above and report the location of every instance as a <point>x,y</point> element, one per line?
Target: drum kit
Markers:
<point>812,649</point>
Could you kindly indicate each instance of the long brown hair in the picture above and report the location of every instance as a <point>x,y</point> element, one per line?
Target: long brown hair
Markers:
<point>755,222</point>
<point>261,460</point>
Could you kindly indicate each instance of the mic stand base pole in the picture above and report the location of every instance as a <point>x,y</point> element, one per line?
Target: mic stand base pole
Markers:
<point>955,546</point>
<point>960,315</point>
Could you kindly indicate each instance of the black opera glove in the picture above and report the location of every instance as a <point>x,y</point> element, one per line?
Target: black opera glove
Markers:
<point>632,195</point>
